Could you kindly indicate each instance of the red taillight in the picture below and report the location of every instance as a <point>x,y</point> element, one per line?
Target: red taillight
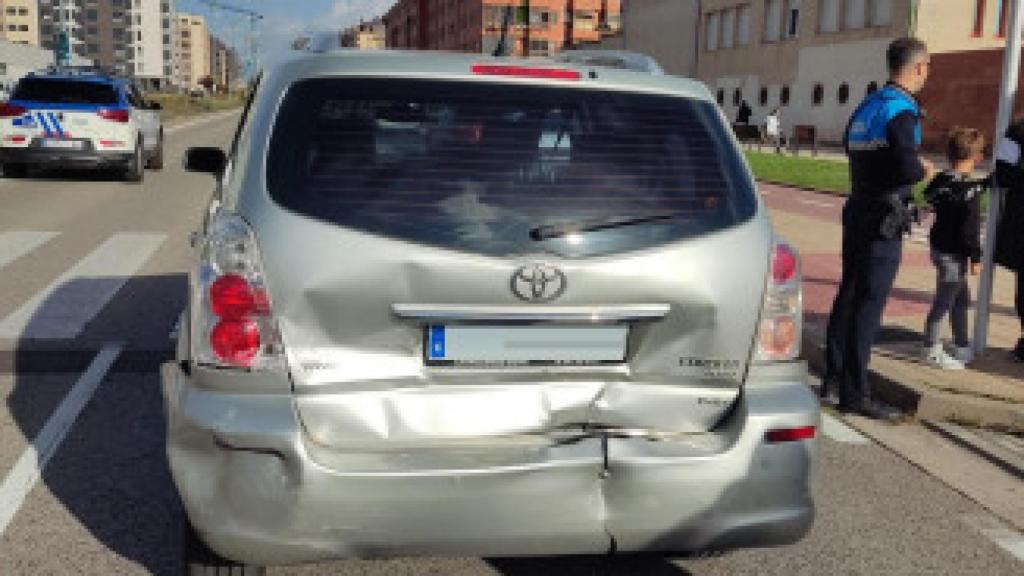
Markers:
<point>525,72</point>
<point>17,139</point>
<point>231,297</point>
<point>112,144</point>
<point>8,110</point>
<point>114,114</point>
<point>783,264</point>
<point>790,434</point>
<point>236,341</point>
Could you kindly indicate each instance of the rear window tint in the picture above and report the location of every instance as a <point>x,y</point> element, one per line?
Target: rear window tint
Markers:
<point>478,166</point>
<point>65,92</point>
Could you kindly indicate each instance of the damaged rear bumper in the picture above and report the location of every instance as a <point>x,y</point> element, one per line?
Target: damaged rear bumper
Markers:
<point>259,491</point>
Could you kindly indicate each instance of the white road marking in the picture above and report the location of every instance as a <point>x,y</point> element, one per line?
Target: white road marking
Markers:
<point>63,308</point>
<point>840,432</point>
<point>199,121</point>
<point>815,203</point>
<point>17,243</point>
<point>29,467</point>
<point>990,527</point>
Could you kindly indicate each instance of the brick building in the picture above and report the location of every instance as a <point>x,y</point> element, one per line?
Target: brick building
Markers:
<point>538,28</point>
<point>365,36</point>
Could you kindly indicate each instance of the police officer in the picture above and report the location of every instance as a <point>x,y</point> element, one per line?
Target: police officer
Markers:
<point>1010,233</point>
<point>882,141</point>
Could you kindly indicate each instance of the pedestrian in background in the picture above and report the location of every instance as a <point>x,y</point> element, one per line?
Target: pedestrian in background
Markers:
<point>744,113</point>
<point>1010,235</point>
<point>955,241</point>
<point>773,129</point>
<point>882,141</point>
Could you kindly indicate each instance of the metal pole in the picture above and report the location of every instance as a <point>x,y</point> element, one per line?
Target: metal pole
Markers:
<point>1007,95</point>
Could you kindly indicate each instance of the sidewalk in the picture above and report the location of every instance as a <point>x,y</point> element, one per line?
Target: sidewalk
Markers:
<point>989,392</point>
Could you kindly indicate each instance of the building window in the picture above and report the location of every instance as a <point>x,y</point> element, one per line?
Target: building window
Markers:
<point>818,96</point>
<point>843,95</point>
<point>711,31</point>
<point>872,88</point>
<point>23,27</point>
<point>11,10</point>
<point>763,96</point>
<point>728,28</point>
<point>792,22</point>
<point>855,12</point>
<point>22,11</point>
<point>737,97</point>
<point>91,15</point>
<point>979,18</point>
<point>743,25</point>
<point>881,12</point>
<point>773,20</point>
<point>720,97</point>
<point>784,96</point>
<point>828,16</point>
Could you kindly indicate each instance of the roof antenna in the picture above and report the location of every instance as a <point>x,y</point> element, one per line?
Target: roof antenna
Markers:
<point>502,48</point>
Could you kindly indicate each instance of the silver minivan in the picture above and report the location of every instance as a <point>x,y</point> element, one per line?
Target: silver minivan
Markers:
<point>453,304</point>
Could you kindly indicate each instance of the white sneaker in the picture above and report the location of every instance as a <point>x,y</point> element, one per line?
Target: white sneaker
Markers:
<point>936,356</point>
<point>964,354</point>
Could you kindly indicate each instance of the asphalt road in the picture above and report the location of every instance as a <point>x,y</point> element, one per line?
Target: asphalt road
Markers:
<point>91,268</point>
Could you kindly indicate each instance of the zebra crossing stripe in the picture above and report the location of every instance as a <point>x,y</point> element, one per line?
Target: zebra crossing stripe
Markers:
<point>15,244</point>
<point>63,308</point>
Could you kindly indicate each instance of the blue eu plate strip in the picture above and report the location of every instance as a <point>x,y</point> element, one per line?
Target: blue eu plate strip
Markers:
<point>436,342</point>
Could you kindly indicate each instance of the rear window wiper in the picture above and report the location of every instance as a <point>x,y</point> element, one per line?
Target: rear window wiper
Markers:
<point>549,231</point>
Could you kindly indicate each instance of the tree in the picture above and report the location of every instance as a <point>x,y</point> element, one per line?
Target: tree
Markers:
<point>206,82</point>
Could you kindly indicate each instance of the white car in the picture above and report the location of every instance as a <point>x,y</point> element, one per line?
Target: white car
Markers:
<point>81,120</point>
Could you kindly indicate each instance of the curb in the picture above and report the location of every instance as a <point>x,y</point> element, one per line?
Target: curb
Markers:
<point>834,193</point>
<point>965,437</point>
<point>923,402</point>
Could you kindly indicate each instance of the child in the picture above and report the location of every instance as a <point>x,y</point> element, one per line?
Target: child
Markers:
<point>955,240</point>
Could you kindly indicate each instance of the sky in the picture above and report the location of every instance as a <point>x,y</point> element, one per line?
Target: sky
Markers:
<point>284,20</point>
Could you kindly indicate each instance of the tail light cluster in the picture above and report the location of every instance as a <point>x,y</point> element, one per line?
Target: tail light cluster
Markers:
<point>114,114</point>
<point>234,326</point>
<point>8,110</point>
<point>778,335</point>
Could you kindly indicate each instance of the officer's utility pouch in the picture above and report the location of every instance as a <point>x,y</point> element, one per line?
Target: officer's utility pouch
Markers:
<point>896,218</point>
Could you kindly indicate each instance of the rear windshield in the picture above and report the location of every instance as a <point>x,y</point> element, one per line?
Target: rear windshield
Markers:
<point>504,169</point>
<point>65,92</point>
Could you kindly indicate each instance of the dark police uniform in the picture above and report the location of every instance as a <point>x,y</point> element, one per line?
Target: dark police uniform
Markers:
<point>882,141</point>
<point>1010,233</point>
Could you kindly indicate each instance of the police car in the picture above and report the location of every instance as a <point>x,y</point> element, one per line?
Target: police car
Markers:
<point>82,118</point>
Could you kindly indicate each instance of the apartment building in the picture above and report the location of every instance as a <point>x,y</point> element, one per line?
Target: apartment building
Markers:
<point>19,21</point>
<point>817,59</point>
<point>223,65</point>
<point>537,28</point>
<point>366,36</point>
<point>133,37</point>
<point>192,48</point>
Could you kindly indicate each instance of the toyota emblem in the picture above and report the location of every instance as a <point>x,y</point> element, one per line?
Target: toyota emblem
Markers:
<point>538,283</point>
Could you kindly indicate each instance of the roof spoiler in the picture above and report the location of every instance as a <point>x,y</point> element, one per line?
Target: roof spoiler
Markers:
<point>622,59</point>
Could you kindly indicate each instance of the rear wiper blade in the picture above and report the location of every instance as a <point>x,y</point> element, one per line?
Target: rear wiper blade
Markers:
<point>549,231</point>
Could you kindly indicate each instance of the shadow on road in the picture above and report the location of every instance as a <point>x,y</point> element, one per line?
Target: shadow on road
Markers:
<point>110,473</point>
<point>630,565</point>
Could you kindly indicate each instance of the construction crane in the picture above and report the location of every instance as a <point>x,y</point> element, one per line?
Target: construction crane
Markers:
<point>253,16</point>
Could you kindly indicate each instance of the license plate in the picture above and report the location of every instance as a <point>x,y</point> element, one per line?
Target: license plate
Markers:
<point>62,144</point>
<point>525,345</point>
